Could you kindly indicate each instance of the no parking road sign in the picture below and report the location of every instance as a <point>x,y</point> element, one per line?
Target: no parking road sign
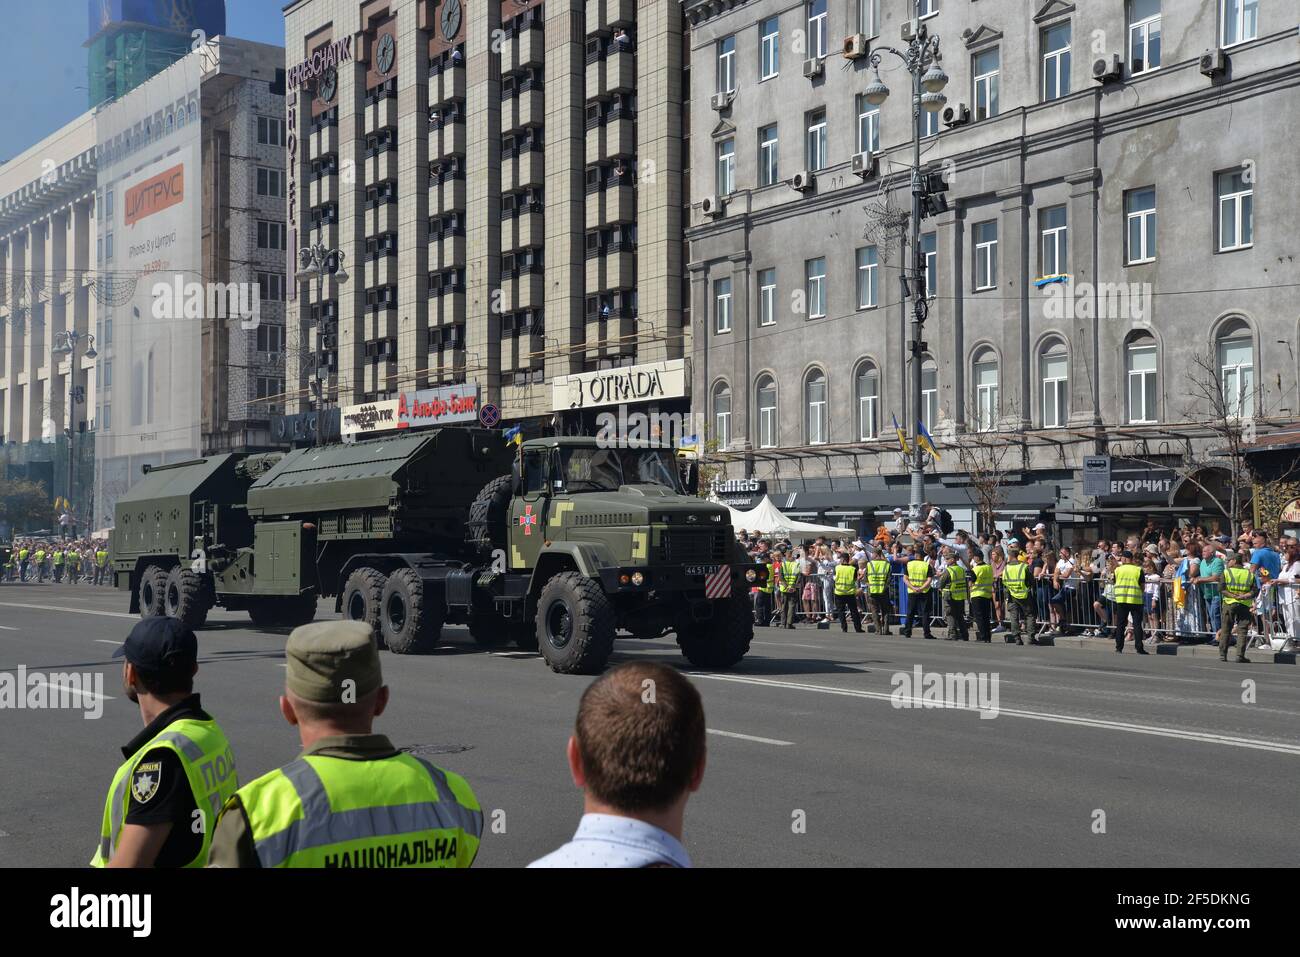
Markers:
<point>489,416</point>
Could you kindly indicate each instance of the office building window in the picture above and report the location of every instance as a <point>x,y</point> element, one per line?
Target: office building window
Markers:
<point>986,391</point>
<point>1238,21</point>
<point>818,27</point>
<point>1052,245</point>
<point>1236,353</point>
<point>726,152</point>
<point>930,250</point>
<point>985,68</point>
<point>769,48</point>
<point>767,297</point>
<point>766,392</point>
<point>722,415</point>
<point>815,274</point>
<point>868,126</point>
<point>722,305</point>
<point>868,394</point>
<point>986,254</point>
<point>816,408</point>
<point>1143,35</point>
<point>1236,210</point>
<point>1056,61</point>
<point>727,65</point>
<point>1140,225</point>
<point>868,261</point>
<point>817,155</point>
<point>1140,359</point>
<point>929,393</point>
<point>1054,371</point>
<point>768,159</point>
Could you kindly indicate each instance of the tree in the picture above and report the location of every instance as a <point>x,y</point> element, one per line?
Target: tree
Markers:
<point>24,504</point>
<point>987,453</point>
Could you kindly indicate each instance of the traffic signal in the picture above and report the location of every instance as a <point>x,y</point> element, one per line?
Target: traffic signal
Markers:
<point>933,202</point>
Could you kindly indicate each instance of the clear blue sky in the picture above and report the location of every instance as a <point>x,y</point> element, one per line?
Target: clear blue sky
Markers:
<point>43,62</point>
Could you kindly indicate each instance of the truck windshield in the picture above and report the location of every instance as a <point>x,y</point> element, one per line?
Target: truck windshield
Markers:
<point>604,470</point>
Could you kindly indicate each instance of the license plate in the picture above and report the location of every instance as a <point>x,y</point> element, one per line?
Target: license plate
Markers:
<point>702,571</point>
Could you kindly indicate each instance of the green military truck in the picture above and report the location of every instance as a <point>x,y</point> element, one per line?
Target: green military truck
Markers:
<point>555,546</point>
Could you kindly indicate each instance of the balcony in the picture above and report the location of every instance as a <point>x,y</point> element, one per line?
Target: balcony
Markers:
<point>381,166</point>
<point>447,85</point>
<point>323,190</point>
<point>614,204</point>
<point>381,219</point>
<point>527,49</point>
<point>526,229</point>
<point>620,71</point>
<point>525,169</point>
<point>447,195</point>
<point>603,14</point>
<point>529,291</point>
<point>446,309</point>
<point>324,141</point>
<point>525,108</point>
<point>447,252</point>
<point>446,141</point>
<point>381,114</point>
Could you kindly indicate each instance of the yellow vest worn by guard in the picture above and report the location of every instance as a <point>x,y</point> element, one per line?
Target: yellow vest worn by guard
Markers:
<point>209,766</point>
<point>769,581</point>
<point>957,582</point>
<point>982,587</point>
<point>877,576</point>
<point>918,576</point>
<point>1015,576</point>
<point>789,575</point>
<point>1236,586</point>
<point>1128,585</point>
<point>846,577</point>
<point>101,557</point>
<point>400,811</point>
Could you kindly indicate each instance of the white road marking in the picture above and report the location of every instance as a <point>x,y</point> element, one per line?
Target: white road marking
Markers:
<point>1200,737</point>
<point>9,628</point>
<point>75,611</point>
<point>106,641</point>
<point>793,644</point>
<point>748,737</point>
<point>67,689</point>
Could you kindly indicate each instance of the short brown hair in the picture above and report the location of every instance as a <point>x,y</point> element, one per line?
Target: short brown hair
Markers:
<point>640,743</point>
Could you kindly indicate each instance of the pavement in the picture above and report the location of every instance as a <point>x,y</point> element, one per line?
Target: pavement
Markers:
<point>1089,760</point>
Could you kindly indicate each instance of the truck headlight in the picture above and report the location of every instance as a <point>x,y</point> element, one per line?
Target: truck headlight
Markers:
<point>638,579</point>
<point>751,575</point>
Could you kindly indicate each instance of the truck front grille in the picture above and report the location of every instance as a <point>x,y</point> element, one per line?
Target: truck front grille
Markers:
<point>680,547</point>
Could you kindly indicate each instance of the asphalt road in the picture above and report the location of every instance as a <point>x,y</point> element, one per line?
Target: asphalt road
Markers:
<point>1092,759</point>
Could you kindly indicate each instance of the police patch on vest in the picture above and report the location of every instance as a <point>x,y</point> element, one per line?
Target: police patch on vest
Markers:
<point>145,780</point>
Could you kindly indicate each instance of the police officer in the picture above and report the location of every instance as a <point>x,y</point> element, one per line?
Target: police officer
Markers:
<point>39,559</point>
<point>101,566</point>
<point>23,554</point>
<point>1128,602</point>
<point>846,593</point>
<point>57,561</point>
<point>1020,612</point>
<point>878,588</point>
<point>918,579</point>
<point>981,595</point>
<point>350,799</point>
<point>1238,594</point>
<point>763,596</point>
<point>164,799</point>
<point>787,582</point>
<point>954,584</point>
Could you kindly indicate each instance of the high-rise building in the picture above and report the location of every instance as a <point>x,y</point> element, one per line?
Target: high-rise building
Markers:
<point>505,183</point>
<point>129,41</point>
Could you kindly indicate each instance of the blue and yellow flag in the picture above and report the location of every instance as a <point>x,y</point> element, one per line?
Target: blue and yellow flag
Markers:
<point>515,435</point>
<point>923,439</point>
<point>902,436</point>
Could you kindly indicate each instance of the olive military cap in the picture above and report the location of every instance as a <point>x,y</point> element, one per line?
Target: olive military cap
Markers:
<point>325,656</point>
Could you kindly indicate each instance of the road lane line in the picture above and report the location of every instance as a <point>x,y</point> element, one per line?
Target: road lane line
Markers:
<point>67,689</point>
<point>794,644</point>
<point>1199,737</point>
<point>106,641</point>
<point>9,628</point>
<point>749,737</point>
<point>75,611</point>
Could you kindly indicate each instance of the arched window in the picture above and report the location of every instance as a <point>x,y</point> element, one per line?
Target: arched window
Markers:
<point>986,390</point>
<point>867,387</point>
<point>816,408</point>
<point>1054,376</point>
<point>1235,351</point>
<point>1140,364</point>
<point>722,414</point>
<point>766,391</point>
<point>929,392</point>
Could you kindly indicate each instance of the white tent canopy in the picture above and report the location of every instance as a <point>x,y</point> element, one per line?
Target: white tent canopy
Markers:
<point>770,520</point>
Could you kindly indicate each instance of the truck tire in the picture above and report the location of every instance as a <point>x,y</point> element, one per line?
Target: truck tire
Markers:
<point>409,622</point>
<point>361,597</point>
<point>153,592</point>
<point>722,641</point>
<point>290,611</point>
<point>187,597</point>
<point>575,625</point>
<point>486,525</point>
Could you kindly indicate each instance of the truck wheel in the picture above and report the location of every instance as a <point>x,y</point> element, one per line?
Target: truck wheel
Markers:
<point>575,625</point>
<point>409,622</point>
<point>361,597</point>
<point>187,597</point>
<point>724,640</point>
<point>153,591</point>
<point>486,526</point>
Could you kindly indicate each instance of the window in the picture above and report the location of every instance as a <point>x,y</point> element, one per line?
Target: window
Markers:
<point>816,151</point>
<point>815,273</point>
<point>270,286</point>
<point>1054,370</point>
<point>1056,61</point>
<point>868,126</point>
<point>108,247</point>
<point>930,250</point>
<point>986,255</point>
<point>1237,371</point>
<point>986,391</point>
<point>269,387</point>
<point>868,17</point>
<point>1143,35</point>
<point>722,415</point>
<point>722,305</point>
<point>816,408</point>
<point>767,297</point>
<point>270,182</point>
<point>1052,247</point>
<point>1236,211</point>
<point>270,338</point>
<point>108,205</point>
<point>985,68</point>
<point>868,278</point>
<point>868,394</point>
<point>927,8</point>
<point>108,374</point>
<point>106,419</point>
<point>270,235</point>
<point>270,131</point>
<point>1238,21</point>
<point>817,28</point>
<point>1140,223</point>
<point>768,164</point>
<point>726,152</point>
<point>766,412</point>
<point>1141,362</point>
<point>727,65</point>
<point>929,393</point>
<point>769,48</point>
<point>930,122</point>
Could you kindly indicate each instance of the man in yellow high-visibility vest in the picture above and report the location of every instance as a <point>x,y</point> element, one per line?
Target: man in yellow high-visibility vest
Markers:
<point>954,582</point>
<point>917,578</point>
<point>1020,612</point>
<point>846,593</point>
<point>787,583</point>
<point>878,589</point>
<point>981,595</point>
<point>1128,602</point>
<point>763,594</point>
<point>1238,595</point>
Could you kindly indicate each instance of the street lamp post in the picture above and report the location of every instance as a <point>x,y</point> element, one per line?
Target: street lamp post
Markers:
<point>320,261</point>
<point>921,58</point>
<point>66,345</point>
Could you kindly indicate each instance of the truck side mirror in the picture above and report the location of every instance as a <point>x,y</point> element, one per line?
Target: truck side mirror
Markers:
<point>692,478</point>
<point>516,480</point>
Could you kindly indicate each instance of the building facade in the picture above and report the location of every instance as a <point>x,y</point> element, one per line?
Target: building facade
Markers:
<point>505,182</point>
<point>1121,176</point>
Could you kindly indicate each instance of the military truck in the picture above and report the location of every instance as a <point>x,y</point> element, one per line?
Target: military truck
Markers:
<point>554,546</point>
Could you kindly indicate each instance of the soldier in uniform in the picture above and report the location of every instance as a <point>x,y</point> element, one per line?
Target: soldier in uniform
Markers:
<point>954,584</point>
<point>846,593</point>
<point>878,588</point>
<point>350,799</point>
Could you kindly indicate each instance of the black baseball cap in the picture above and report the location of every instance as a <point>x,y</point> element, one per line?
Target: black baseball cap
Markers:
<point>160,645</point>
